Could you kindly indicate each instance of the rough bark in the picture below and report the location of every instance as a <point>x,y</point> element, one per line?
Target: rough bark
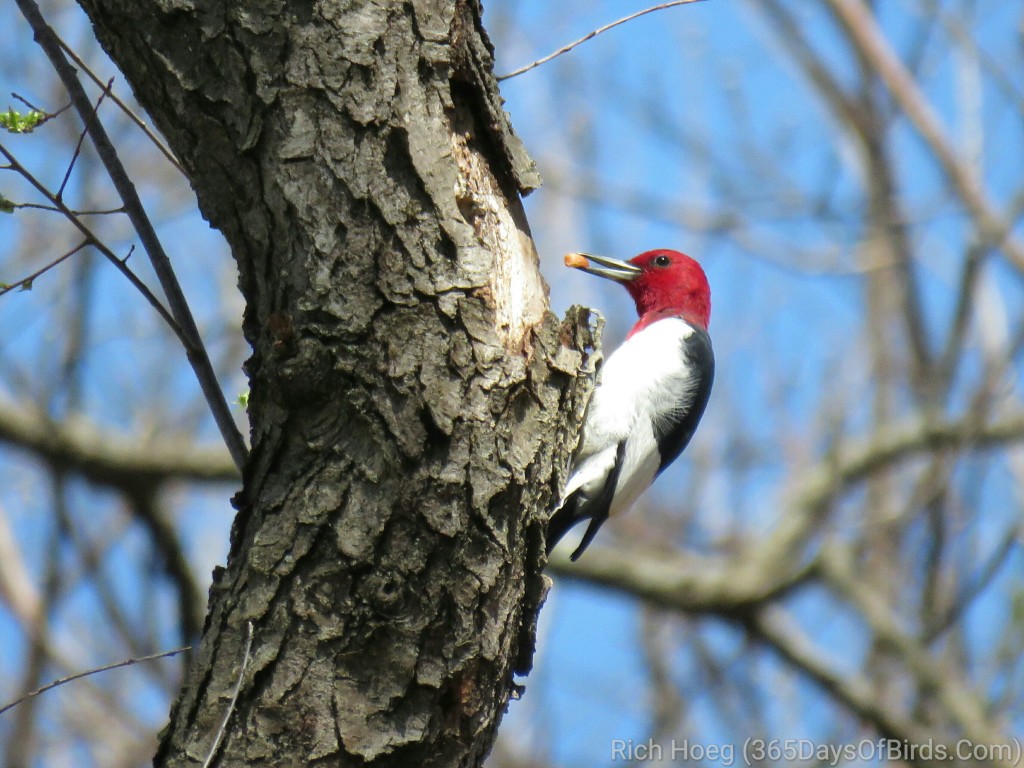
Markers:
<point>412,401</point>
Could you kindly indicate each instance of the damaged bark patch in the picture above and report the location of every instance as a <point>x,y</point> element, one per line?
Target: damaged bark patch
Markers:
<point>516,291</point>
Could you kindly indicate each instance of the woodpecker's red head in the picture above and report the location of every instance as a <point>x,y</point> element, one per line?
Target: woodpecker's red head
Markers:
<point>663,283</point>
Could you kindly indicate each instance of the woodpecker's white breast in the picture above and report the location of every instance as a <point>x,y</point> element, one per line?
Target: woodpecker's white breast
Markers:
<point>645,383</point>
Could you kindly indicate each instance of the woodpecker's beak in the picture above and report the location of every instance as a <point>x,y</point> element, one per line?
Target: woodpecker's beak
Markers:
<point>602,266</point>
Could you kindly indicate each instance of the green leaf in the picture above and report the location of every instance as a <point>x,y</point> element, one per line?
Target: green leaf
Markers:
<point>243,399</point>
<point>26,285</point>
<point>15,122</point>
<point>6,206</point>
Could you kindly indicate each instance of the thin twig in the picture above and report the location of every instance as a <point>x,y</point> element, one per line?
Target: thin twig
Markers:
<point>29,104</point>
<point>72,211</point>
<point>595,33</point>
<point>78,147</point>
<point>776,630</point>
<point>7,288</point>
<point>234,696</point>
<point>967,594</point>
<point>46,116</point>
<point>94,241</point>
<point>79,675</point>
<point>164,149</point>
<point>196,352</point>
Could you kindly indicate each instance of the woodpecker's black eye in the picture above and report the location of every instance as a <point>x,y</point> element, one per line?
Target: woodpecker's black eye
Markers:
<point>662,261</point>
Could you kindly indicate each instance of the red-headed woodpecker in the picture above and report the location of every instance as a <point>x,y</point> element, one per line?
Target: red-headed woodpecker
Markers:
<point>652,391</point>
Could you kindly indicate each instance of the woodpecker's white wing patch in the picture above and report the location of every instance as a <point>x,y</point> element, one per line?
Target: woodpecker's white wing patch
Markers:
<point>645,384</point>
<point>590,472</point>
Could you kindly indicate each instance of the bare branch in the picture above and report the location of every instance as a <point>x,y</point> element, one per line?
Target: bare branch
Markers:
<point>59,194</point>
<point>17,585</point>
<point>683,582</point>
<point>80,675</point>
<point>164,149</point>
<point>863,31</point>
<point>774,628</point>
<point>956,696</point>
<point>27,281</point>
<point>819,485</point>
<point>124,462</point>
<point>194,348</point>
<point>978,584</point>
<point>72,211</point>
<point>234,696</point>
<point>595,33</point>
<point>166,539</point>
<point>141,287</point>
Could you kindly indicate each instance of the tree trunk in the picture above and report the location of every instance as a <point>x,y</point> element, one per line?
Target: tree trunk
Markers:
<point>412,401</point>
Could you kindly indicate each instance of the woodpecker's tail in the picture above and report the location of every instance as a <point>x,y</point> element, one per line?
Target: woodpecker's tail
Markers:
<point>576,509</point>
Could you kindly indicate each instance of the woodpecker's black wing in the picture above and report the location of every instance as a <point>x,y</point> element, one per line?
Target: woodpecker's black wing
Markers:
<point>674,435</point>
<point>578,507</point>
